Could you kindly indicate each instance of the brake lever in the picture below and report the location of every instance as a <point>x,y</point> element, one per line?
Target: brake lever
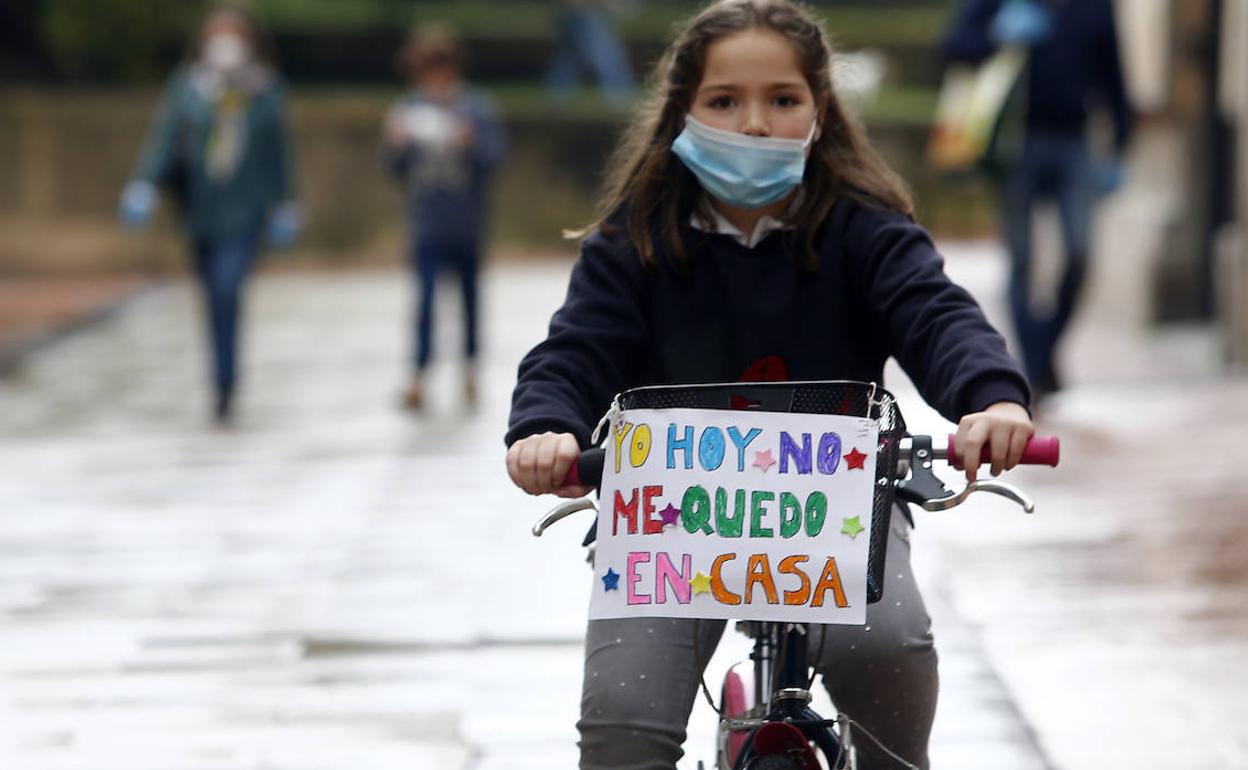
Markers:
<point>561,511</point>
<point>1001,488</point>
<point>923,485</point>
<point>925,488</point>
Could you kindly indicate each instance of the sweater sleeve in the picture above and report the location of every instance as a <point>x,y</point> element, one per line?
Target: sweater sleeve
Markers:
<point>395,160</point>
<point>284,173</point>
<point>597,345</point>
<point>157,159</point>
<point>932,326</point>
<point>1110,82</point>
<point>491,139</point>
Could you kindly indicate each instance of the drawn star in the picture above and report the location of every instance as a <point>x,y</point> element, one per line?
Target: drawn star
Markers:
<point>855,459</point>
<point>701,584</point>
<point>611,580</point>
<point>852,526</point>
<point>764,460</point>
<point>669,515</point>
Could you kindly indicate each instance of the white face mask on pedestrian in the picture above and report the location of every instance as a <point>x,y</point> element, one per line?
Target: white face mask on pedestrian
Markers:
<point>226,52</point>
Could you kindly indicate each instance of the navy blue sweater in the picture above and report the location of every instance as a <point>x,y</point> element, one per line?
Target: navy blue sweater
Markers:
<point>879,290</point>
<point>1076,68</point>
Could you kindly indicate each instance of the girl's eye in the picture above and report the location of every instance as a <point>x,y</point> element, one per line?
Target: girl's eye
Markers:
<point>721,102</point>
<point>786,100</point>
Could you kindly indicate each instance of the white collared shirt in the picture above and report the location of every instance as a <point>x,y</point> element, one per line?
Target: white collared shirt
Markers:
<point>764,227</point>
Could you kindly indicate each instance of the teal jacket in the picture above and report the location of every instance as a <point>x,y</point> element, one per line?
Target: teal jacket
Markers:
<point>175,156</point>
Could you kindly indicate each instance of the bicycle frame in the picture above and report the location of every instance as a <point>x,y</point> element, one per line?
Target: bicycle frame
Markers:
<point>780,721</point>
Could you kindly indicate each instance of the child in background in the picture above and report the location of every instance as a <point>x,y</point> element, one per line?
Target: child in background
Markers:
<point>749,232</point>
<point>443,142</point>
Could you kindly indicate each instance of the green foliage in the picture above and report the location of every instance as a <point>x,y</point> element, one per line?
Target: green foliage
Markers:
<point>127,40</point>
<point>117,39</point>
<point>651,22</point>
<point>340,16</point>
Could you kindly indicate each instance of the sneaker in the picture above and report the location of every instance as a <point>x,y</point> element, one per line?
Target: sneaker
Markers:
<point>224,411</point>
<point>471,394</point>
<point>414,395</point>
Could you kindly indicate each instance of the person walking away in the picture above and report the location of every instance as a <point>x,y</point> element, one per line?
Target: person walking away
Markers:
<point>1074,70</point>
<point>444,142</point>
<point>219,145</point>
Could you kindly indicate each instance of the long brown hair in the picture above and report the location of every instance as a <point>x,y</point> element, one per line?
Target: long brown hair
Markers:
<point>651,191</point>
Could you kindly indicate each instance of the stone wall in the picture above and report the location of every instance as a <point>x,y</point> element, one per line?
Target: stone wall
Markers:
<point>72,151</point>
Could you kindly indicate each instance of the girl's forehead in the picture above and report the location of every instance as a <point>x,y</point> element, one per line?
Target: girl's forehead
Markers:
<point>749,57</point>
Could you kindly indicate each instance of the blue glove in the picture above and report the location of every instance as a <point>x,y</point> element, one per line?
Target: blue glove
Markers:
<point>1021,22</point>
<point>138,203</point>
<point>284,225</point>
<point>1108,177</point>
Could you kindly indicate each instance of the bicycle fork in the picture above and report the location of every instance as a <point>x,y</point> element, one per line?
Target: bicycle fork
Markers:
<point>781,686</point>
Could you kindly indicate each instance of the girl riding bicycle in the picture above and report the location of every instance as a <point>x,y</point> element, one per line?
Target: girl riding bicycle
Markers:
<point>749,232</point>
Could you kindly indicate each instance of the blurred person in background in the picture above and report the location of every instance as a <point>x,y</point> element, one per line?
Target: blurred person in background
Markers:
<point>219,146</point>
<point>1074,69</point>
<point>443,142</point>
<point>587,40</point>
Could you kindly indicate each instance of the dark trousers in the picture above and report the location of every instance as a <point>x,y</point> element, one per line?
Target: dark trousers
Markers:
<point>222,265</point>
<point>1055,167</point>
<point>587,35</point>
<point>431,258</point>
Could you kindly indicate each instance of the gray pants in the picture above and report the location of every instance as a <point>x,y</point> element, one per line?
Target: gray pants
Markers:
<point>641,677</point>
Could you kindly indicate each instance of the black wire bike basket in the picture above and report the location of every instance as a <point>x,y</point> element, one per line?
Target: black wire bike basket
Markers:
<point>839,397</point>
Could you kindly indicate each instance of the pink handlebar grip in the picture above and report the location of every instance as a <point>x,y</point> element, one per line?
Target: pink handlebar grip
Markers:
<point>1040,450</point>
<point>587,470</point>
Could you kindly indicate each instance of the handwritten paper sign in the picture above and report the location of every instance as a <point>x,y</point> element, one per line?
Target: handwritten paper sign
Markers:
<point>725,514</point>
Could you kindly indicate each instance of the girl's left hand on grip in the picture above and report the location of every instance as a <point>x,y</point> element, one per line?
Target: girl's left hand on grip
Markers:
<point>1003,427</point>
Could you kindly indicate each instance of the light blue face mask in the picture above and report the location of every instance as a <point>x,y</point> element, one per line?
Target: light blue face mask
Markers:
<point>745,172</point>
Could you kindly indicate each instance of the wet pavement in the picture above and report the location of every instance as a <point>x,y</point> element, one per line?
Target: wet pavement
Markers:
<point>335,584</point>
<point>38,310</point>
<point>1117,616</point>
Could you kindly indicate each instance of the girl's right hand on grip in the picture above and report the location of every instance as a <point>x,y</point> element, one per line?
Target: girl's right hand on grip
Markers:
<point>539,464</point>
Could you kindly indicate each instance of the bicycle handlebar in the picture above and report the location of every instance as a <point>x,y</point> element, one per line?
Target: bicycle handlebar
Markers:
<point>1040,450</point>
<point>587,470</point>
